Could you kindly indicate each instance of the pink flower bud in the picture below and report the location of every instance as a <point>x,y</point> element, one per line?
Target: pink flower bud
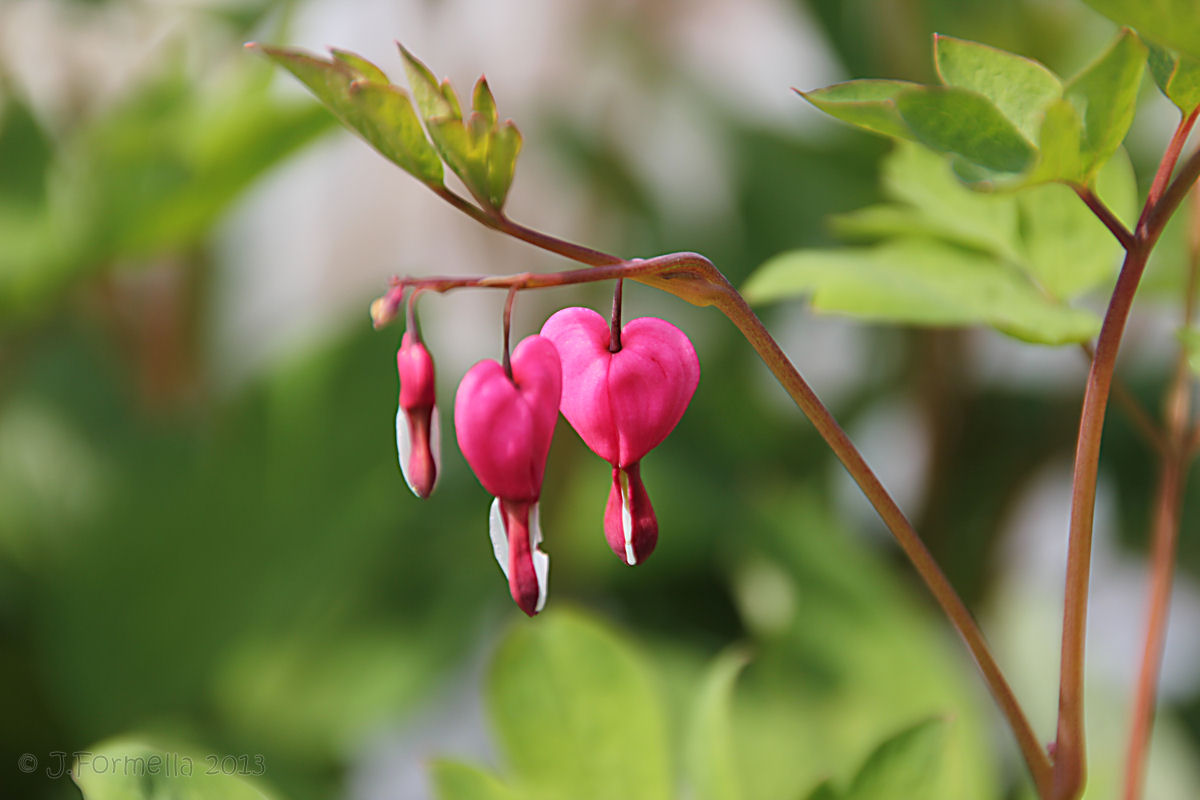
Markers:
<point>623,405</point>
<point>418,434</point>
<point>504,428</point>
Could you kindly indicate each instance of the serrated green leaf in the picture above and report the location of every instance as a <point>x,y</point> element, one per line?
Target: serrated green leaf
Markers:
<point>1177,76</point>
<point>953,120</point>
<point>1067,250</point>
<point>901,767</point>
<point>577,714</point>
<point>128,769</point>
<point>381,113</point>
<point>451,97</point>
<point>922,179</point>
<point>869,104</point>
<point>1104,96</point>
<point>1019,87</point>
<point>360,65</point>
<point>1175,23</point>
<point>483,103</point>
<point>453,780</point>
<point>428,93</point>
<point>921,282</point>
<point>711,765</point>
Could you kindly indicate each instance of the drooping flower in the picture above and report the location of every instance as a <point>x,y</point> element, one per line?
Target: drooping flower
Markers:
<point>504,427</point>
<point>623,405</point>
<point>418,432</point>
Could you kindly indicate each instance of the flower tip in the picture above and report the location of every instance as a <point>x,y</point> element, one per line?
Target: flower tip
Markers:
<point>630,525</point>
<point>516,532</point>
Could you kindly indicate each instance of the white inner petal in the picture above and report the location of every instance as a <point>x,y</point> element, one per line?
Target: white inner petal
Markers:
<point>627,516</point>
<point>541,561</point>
<point>404,445</point>
<point>499,537</point>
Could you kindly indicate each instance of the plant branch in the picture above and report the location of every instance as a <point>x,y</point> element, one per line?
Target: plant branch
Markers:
<point>1137,414</point>
<point>1167,165</point>
<point>1105,214</point>
<point>1070,754</point>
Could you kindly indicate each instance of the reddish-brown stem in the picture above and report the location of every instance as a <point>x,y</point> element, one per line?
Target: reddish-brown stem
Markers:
<point>614,331</point>
<point>1070,756</point>
<point>1165,534</point>
<point>508,306</point>
<point>1167,165</point>
<point>1104,214</point>
<point>1138,415</point>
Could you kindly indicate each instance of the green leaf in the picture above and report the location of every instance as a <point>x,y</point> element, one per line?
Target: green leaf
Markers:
<point>924,180</point>
<point>360,65</point>
<point>1067,250</point>
<point>453,780</point>
<point>1020,87</point>
<point>1178,76</point>
<point>379,112</point>
<point>869,104</point>
<point>1060,143</point>
<point>577,714</point>
<point>483,103</point>
<point>1175,23</point>
<point>127,769</point>
<point>1104,96</point>
<point>481,151</point>
<point>711,765</point>
<point>435,101</point>
<point>902,765</point>
<point>953,120</point>
<point>921,282</point>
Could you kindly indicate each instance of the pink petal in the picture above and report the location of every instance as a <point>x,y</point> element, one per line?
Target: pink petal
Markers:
<point>504,426</point>
<point>630,525</point>
<point>415,366</point>
<point>516,535</point>
<point>623,404</point>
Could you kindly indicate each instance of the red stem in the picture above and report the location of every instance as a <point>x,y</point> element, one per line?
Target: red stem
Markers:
<point>1070,753</point>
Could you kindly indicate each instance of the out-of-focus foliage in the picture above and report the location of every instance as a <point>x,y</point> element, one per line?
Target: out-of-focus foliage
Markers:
<point>950,256</point>
<point>150,176</point>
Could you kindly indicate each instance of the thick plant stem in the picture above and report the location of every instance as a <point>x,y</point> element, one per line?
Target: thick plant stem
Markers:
<point>1070,768</point>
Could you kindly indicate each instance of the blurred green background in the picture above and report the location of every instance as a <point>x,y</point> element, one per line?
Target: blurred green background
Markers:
<point>205,542</point>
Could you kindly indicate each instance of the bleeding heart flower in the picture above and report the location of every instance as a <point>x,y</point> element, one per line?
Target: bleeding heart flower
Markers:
<point>418,434</point>
<point>504,427</point>
<point>623,405</point>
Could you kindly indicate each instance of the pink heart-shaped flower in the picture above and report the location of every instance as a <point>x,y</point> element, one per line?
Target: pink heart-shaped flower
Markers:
<point>623,405</point>
<point>504,427</point>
